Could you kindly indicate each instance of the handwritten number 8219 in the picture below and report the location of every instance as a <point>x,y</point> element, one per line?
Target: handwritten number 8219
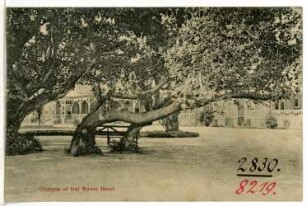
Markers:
<point>253,186</point>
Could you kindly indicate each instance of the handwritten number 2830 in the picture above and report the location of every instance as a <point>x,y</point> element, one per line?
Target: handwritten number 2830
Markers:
<point>258,165</point>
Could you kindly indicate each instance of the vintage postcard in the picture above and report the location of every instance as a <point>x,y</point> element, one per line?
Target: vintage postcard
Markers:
<point>153,104</point>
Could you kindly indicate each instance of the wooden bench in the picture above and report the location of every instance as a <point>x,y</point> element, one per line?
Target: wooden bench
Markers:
<point>112,131</point>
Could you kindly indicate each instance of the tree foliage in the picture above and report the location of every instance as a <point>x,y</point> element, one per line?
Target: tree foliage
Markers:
<point>237,51</point>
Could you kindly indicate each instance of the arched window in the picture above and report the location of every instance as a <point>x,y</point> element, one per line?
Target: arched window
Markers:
<point>129,106</point>
<point>282,105</point>
<point>68,108</point>
<point>137,107</point>
<point>75,108</point>
<point>276,106</point>
<point>58,108</point>
<point>84,107</point>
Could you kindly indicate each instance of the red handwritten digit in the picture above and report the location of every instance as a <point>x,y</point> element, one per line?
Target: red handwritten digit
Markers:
<point>269,188</point>
<point>253,184</point>
<point>243,183</point>
<point>263,186</point>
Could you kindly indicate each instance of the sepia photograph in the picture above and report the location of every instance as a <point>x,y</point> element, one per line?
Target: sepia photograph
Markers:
<point>153,104</point>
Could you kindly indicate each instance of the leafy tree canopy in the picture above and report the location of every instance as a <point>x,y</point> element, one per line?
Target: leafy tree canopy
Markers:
<point>239,52</point>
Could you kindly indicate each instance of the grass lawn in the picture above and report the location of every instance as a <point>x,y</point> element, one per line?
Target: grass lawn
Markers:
<point>190,169</point>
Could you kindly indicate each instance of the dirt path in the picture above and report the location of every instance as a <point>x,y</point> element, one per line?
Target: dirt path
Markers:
<point>187,169</point>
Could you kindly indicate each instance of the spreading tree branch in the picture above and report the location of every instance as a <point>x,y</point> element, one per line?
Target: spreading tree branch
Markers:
<point>140,94</point>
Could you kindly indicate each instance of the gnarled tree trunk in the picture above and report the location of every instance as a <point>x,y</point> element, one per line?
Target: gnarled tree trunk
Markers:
<point>129,142</point>
<point>83,141</point>
<point>17,143</point>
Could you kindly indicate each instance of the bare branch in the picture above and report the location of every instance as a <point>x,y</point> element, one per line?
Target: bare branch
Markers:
<point>243,95</point>
<point>163,102</point>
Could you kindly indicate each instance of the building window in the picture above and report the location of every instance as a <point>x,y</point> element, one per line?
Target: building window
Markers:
<point>68,114</point>
<point>76,108</point>
<point>68,107</point>
<point>276,106</point>
<point>137,107</point>
<point>282,105</point>
<point>240,121</point>
<point>296,103</point>
<point>84,107</point>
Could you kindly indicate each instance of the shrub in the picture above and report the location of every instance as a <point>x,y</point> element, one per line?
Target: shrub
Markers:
<point>120,146</point>
<point>17,144</point>
<point>207,116</point>
<point>172,134</point>
<point>271,122</point>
